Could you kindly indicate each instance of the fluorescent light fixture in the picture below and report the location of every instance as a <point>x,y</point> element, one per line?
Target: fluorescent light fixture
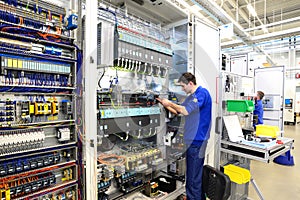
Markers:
<point>251,10</point>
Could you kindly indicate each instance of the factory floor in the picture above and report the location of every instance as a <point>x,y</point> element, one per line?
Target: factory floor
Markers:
<point>278,182</point>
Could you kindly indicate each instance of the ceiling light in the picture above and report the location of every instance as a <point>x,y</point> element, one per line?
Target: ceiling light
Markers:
<point>251,10</point>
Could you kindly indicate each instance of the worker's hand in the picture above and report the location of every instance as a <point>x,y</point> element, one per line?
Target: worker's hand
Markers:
<point>167,104</point>
<point>164,102</point>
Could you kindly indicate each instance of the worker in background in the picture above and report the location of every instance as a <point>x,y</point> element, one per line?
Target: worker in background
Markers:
<point>197,109</point>
<point>258,110</point>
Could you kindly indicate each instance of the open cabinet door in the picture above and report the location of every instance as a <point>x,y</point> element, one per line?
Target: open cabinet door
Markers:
<point>271,81</point>
<point>206,67</point>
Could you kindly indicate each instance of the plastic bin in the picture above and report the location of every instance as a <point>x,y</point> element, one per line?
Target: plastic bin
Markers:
<point>240,106</point>
<point>237,174</point>
<point>267,131</point>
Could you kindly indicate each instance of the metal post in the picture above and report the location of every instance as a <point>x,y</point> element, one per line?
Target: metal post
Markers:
<point>257,189</point>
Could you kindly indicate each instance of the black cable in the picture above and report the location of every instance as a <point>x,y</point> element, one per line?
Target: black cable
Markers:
<point>101,79</point>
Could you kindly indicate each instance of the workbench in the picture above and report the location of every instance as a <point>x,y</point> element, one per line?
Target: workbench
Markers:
<point>257,151</point>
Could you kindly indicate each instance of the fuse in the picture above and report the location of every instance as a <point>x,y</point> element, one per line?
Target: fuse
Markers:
<point>54,107</point>
<point>20,63</point>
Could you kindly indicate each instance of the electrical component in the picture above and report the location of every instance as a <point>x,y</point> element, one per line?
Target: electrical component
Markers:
<point>72,22</point>
<point>108,173</point>
<point>27,185</point>
<point>53,51</point>
<point>126,112</point>
<point>31,109</point>
<point>141,167</point>
<point>151,189</point>
<point>15,44</point>
<point>67,175</point>
<point>25,112</point>
<point>54,107</point>
<point>38,108</point>
<point>70,195</point>
<point>47,108</point>
<point>12,141</point>
<point>157,161</point>
<point>66,107</point>
<point>5,194</point>
<point>119,170</point>
<point>63,134</point>
<point>3,171</point>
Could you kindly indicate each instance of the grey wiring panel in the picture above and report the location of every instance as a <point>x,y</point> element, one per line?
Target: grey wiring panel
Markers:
<point>131,123</point>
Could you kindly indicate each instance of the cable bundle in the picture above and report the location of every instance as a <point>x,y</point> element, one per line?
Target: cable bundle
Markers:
<point>111,159</point>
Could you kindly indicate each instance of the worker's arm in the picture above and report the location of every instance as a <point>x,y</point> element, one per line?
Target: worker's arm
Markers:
<point>173,106</point>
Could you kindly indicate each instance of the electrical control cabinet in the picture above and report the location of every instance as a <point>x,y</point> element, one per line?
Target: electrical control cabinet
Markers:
<point>131,127</point>
<point>38,65</point>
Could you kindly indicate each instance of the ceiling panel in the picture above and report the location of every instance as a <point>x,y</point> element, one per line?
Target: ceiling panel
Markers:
<point>156,11</point>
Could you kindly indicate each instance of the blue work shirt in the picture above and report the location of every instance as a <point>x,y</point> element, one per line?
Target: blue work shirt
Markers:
<point>198,121</point>
<point>259,111</point>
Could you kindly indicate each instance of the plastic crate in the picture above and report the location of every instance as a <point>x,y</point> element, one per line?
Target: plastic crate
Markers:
<point>237,174</point>
<point>240,106</point>
<point>267,131</point>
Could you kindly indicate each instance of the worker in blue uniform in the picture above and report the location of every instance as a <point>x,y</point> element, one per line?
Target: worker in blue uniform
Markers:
<point>259,110</point>
<point>197,109</point>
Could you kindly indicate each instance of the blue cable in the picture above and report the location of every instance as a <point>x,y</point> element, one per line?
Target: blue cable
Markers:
<point>40,10</point>
<point>43,98</point>
<point>45,82</point>
<point>66,81</point>
<point>51,79</point>
<point>46,79</point>
<point>11,81</point>
<point>60,81</point>
<point>34,8</point>
<point>40,79</point>
<point>19,75</point>
<point>31,79</point>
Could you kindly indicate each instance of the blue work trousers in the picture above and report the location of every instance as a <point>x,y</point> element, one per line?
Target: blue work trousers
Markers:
<point>195,156</point>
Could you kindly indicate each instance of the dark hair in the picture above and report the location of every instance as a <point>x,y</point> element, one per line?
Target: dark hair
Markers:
<point>187,77</point>
<point>260,94</point>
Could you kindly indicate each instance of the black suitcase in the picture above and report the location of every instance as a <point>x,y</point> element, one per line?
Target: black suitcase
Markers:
<point>216,185</point>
